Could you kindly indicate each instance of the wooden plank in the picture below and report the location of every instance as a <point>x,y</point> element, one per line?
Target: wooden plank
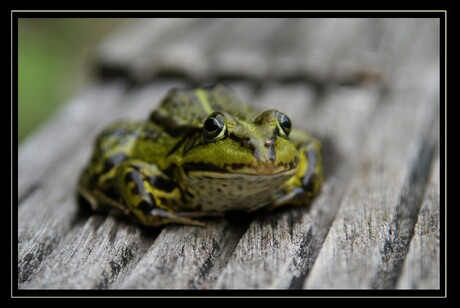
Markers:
<point>132,38</point>
<point>275,248</point>
<point>244,52</point>
<point>401,228</point>
<point>352,50</point>
<point>185,52</point>
<point>317,49</point>
<point>348,258</point>
<point>186,257</point>
<point>185,47</point>
<point>119,52</point>
<point>317,46</point>
<point>367,240</point>
<point>207,49</point>
<point>50,217</point>
<point>102,251</point>
<point>421,268</point>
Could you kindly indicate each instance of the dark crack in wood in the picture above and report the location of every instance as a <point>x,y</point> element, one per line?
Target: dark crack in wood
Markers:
<point>405,214</point>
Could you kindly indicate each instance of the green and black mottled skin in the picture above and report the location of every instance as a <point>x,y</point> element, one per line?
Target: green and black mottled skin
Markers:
<point>201,152</point>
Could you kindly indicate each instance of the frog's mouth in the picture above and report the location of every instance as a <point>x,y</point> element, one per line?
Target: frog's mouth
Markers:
<point>259,169</point>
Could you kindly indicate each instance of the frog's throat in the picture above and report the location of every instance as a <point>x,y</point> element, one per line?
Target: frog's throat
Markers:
<point>227,170</point>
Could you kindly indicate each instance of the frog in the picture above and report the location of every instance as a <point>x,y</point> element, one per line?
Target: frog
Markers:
<point>202,152</point>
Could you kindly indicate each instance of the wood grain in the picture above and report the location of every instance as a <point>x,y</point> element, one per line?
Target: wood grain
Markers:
<point>421,269</point>
<point>196,255</point>
<point>373,226</point>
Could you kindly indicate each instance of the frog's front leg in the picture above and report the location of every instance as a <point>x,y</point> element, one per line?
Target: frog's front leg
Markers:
<point>147,194</point>
<point>306,183</point>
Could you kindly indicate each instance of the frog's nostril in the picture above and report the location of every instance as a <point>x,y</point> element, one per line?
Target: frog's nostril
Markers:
<point>270,144</point>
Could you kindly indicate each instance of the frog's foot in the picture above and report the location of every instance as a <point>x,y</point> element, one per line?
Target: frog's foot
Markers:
<point>306,184</point>
<point>147,195</point>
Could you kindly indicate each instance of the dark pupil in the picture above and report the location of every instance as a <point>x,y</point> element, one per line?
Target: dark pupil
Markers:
<point>211,125</point>
<point>285,122</point>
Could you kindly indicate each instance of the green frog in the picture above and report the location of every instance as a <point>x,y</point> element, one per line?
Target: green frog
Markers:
<point>202,152</point>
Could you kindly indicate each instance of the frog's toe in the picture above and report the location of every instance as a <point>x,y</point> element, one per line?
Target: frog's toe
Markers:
<point>199,214</point>
<point>158,217</point>
<point>298,196</point>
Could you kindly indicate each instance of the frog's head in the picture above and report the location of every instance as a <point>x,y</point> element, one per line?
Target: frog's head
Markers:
<point>229,145</point>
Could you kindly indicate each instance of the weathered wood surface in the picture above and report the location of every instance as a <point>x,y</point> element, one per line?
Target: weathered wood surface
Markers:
<point>368,88</point>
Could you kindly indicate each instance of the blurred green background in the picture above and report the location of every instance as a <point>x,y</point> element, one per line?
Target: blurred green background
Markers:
<point>54,63</point>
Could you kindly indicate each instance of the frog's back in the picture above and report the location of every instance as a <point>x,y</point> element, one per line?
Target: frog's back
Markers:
<point>190,107</point>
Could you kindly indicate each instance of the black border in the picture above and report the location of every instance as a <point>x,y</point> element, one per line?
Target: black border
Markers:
<point>227,14</point>
<point>234,293</point>
<point>15,292</point>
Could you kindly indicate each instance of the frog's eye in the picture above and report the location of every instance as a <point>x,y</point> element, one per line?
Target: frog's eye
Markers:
<point>284,124</point>
<point>214,128</point>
